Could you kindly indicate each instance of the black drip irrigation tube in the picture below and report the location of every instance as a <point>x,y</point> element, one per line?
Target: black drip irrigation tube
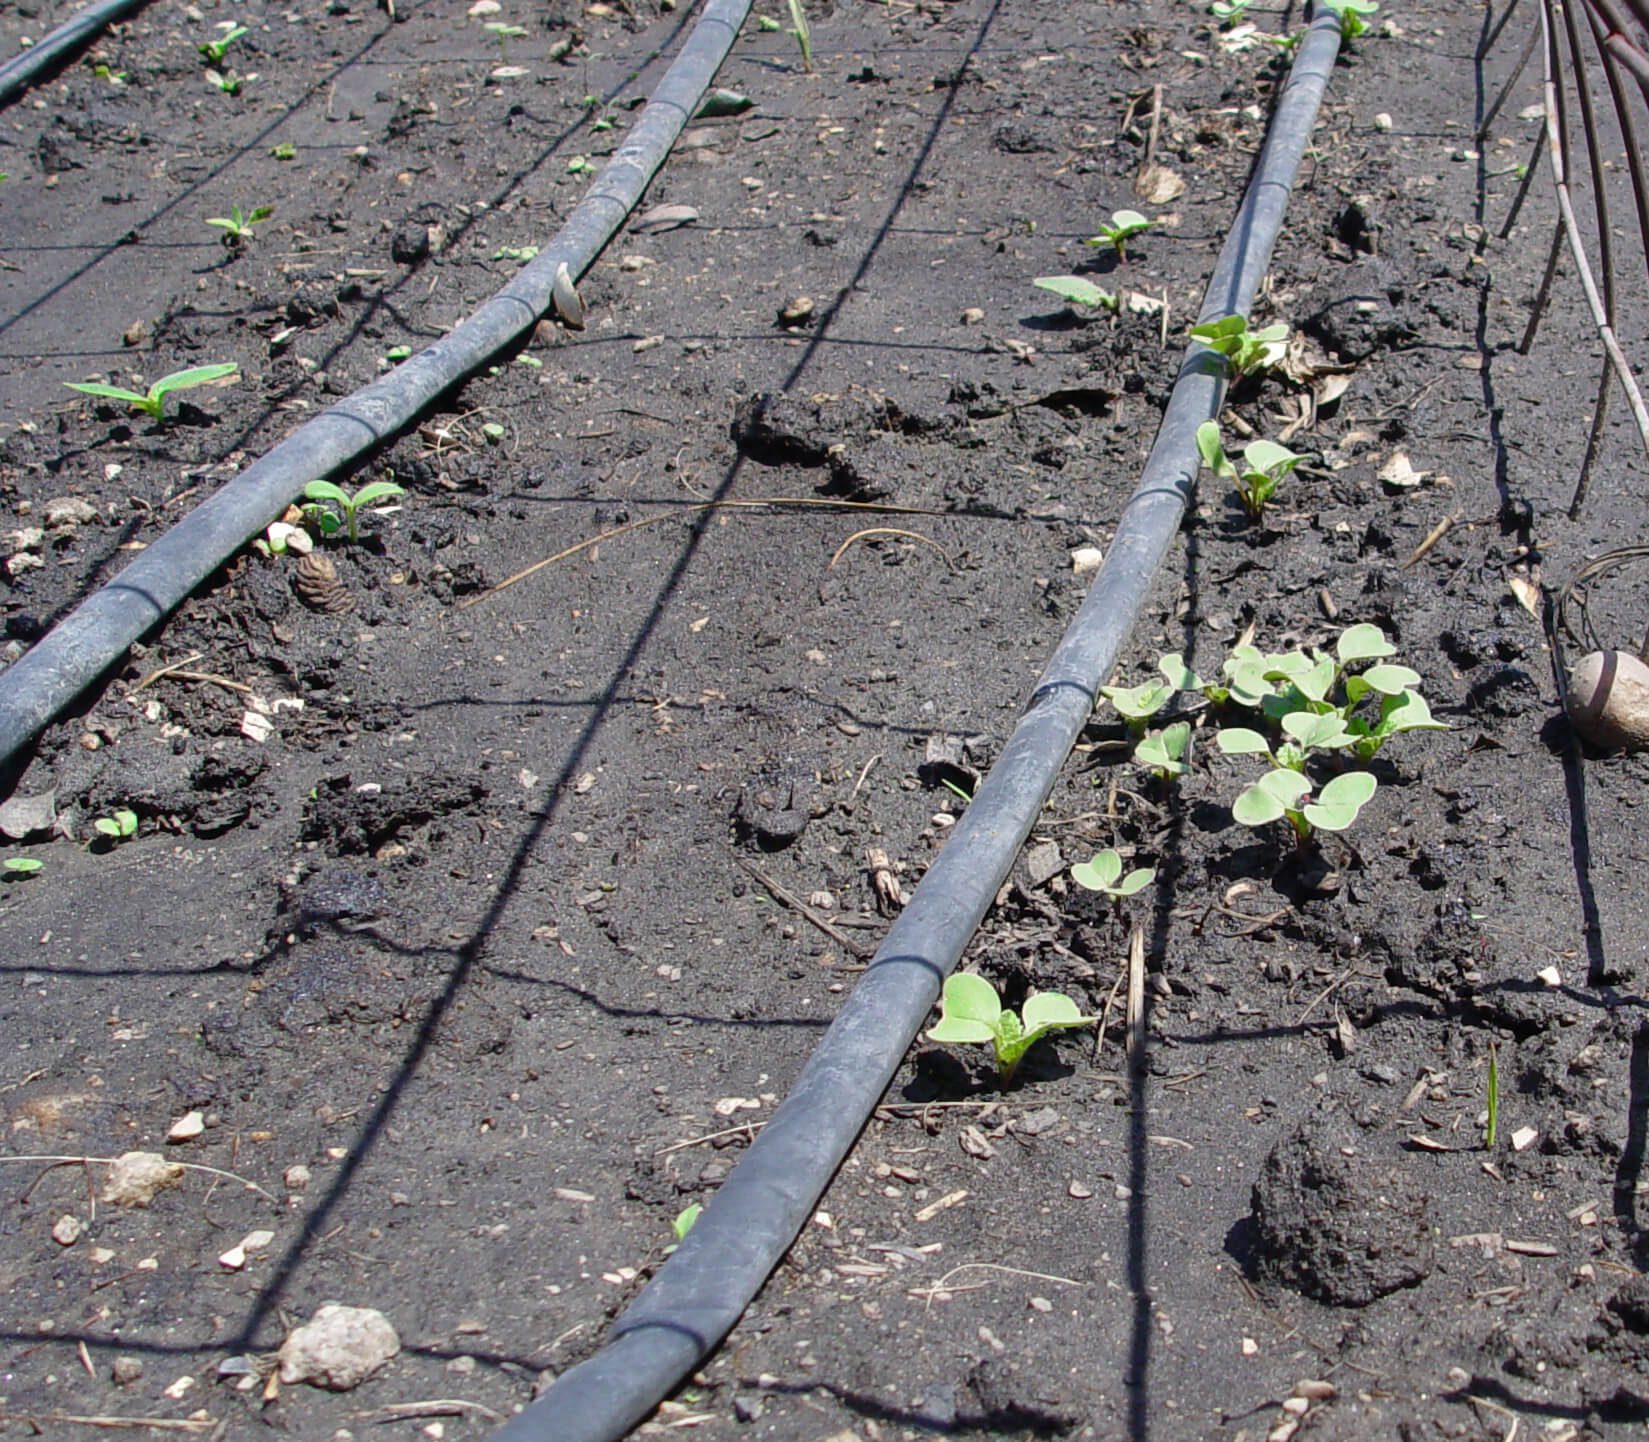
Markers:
<point>21,71</point>
<point>94,637</point>
<point>701,1291</point>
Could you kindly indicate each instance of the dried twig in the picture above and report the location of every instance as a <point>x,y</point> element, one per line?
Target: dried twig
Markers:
<point>1433,536</point>
<point>164,1424</point>
<point>771,502</point>
<point>435,1407</point>
<point>890,531</point>
<point>795,903</point>
<point>110,1161</point>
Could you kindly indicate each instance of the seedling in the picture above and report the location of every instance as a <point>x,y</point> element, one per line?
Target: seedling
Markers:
<point>116,826</point>
<point>349,506</point>
<point>212,51</point>
<point>1164,751</point>
<point>1264,464</point>
<point>151,403</point>
<point>286,150</point>
<point>1103,873</point>
<point>1138,704</point>
<point>1309,682</point>
<point>1124,223</point>
<point>950,785</point>
<point>1286,793</point>
<point>1228,12</point>
<point>971,1011</point>
<point>1494,1102</point>
<point>767,22</point>
<point>503,34</point>
<point>804,36</point>
<point>114,77</point>
<point>225,80</point>
<point>684,1220</point>
<point>1080,292</point>
<point>17,867</point>
<point>237,227</point>
<point>578,165</point>
<point>1351,13</point>
<point>1245,351</point>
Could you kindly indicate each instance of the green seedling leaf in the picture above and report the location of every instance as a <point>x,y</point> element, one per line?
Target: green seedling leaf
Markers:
<point>1240,741</point>
<point>1321,730</point>
<point>969,1010</point>
<point>767,22</point>
<point>349,505</point>
<point>1103,873</point>
<point>1124,223</point>
<point>397,352</point>
<point>1165,750</point>
<point>213,50</point>
<point>724,102</point>
<point>798,28</point>
<point>1316,682</point>
<point>1387,679</point>
<point>1138,703</point>
<point>1338,803</point>
<point>1079,291</point>
<point>118,825</point>
<point>1213,452</point>
<point>1362,642</point>
<point>153,402</point>
<point>684,1220</point>
<point>1271,798</point>
<point>376,491</point>
<point>1351,13</point>
<point>286,150</point>
<point>1490,1130</point>
<point>1180,676</point>
<point>21,865</point>
<point>1228,12</point>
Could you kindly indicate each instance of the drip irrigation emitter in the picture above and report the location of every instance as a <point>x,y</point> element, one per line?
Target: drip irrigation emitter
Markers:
<point>95,635</point>
<point>21,71</point>
<point>701,1291</point>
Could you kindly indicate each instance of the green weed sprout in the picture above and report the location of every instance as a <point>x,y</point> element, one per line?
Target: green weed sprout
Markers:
<point>17,867</point>
<point>1287,793</point>
<point>1164,751</point>
<point>503,34</point>
<point>1245,351</point>
<point>349,505</point>
<point>804,36</point>
<point>1080,292</point>
<point>225,80</point>
<point>1103,873</point>
<point>286,150</point>
<point>1264,464</point>
<point>117,825</point>
<point>1494,1102</point>
<point>237,227</point>
<point>684,1220</point>
<point>1309,682</point>
<point>150,403</point>
<point>212,51</point>
<point>1124,223</point>
<point>1228,12</point>
<point>1138,704</point>
<point>766,22</point>
<point>1351,13</point>
<point>971,1011</point>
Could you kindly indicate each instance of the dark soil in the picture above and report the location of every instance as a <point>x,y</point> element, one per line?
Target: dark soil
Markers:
<point>469,964</point>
